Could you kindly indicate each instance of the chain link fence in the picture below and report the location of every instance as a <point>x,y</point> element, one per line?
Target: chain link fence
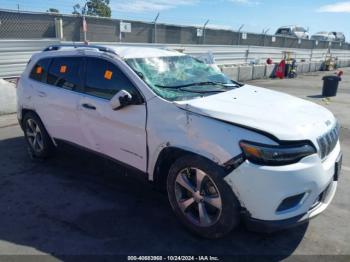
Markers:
<point>29,25</point>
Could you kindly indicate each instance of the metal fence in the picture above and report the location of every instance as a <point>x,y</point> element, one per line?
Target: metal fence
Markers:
<point>29,25</point>
<point>14,54</point>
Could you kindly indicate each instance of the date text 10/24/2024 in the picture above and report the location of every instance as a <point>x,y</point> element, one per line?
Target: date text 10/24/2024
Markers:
<point>173,258</point>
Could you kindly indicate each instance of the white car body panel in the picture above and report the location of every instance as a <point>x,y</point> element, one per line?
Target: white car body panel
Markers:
<point>58,109</point>
<point>265,110</point>
<point>202,135</point>
<point>118,134</point>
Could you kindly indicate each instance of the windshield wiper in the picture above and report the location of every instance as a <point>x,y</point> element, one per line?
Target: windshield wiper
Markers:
<point>196,91</point>
<point>198,84</point>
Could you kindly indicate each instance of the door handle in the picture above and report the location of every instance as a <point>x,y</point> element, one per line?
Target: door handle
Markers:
<point>42,94</point>
<point>88,106</point>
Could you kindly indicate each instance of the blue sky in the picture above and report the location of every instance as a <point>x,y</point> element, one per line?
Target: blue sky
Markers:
<point>256,15</point>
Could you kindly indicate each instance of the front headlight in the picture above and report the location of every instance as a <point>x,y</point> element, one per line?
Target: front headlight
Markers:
<point>276,155</point>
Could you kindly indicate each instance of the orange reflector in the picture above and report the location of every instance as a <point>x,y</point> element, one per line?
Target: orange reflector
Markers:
<point>108,74</point>
<point>39,70</point>
<point>251,150</point>
<point>63,69</point>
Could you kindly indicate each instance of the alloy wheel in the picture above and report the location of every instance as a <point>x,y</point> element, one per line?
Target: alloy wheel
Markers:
<point>198,197</point>
<point>34,135</point>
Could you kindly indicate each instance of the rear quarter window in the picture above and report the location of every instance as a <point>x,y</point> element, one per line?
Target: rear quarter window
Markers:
<point>40,69</point>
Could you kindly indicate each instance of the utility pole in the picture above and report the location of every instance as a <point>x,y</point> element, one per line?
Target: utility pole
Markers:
<point>18,8</point>
<point>239,34</point>
<point>155,28</point>
<point>204,26</point>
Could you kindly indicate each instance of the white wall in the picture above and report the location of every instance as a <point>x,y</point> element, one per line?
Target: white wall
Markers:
<point>8,99</point>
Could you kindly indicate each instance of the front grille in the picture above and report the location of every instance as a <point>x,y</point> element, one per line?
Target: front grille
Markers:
<point>328,141</point>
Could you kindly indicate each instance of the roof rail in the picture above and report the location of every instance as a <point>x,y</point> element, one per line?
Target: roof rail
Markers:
<point>100,48</point>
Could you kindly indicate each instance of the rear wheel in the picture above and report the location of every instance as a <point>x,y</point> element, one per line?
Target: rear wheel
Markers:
<point>200,197</point>
<point>38,140</point>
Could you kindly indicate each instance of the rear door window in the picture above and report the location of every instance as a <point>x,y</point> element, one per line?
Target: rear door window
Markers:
<point>65,72</point>
<point>104,79</point>
<point>39,71</point>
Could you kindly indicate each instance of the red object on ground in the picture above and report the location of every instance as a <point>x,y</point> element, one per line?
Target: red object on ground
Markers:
<point>281,69</point>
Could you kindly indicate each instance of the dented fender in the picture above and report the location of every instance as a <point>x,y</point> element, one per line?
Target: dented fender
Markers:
<point>210,138</point>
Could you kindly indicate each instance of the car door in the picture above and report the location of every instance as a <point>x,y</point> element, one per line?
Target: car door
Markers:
<point>58,95</point>
<point>119,134</point>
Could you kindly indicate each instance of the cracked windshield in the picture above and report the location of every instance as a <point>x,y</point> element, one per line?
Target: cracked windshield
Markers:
<point>181,77</point>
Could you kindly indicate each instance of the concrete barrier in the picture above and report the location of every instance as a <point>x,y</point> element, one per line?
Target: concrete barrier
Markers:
<point>231,72</point>
<point>313,67</point>
<point>8,98</point>
<point>270,70</point>
<point>258,71</point>
<point>344,63</point>
<point>318,66</point>
<point>300,68</point>
<point>245,73</point>
<point>306,68</point>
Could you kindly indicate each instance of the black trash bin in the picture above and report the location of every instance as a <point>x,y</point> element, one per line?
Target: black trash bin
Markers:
<point>330,85</point>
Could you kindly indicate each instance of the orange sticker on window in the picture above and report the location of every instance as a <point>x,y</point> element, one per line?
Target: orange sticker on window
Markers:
<point>39,70</point>
<point>108,74</point>
<point>63,69</point>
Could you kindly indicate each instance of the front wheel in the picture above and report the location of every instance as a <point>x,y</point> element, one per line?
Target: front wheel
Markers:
<point>200,197</point>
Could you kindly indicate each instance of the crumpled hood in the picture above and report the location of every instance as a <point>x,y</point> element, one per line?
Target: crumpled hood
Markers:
<point>283,116</point>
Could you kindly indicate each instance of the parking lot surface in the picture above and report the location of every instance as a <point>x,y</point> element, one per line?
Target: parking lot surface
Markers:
<point>79,204</point>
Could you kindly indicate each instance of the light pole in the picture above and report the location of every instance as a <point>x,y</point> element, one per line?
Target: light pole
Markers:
<point>84,23</point>
<point>120,31</point>
<point>204,26</point>
<point>155,28</point>
<point>239,34</point>
<point>265,33</point>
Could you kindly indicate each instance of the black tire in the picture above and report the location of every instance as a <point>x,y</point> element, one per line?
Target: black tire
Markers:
<point>46,147</point>
<point>229,216</point>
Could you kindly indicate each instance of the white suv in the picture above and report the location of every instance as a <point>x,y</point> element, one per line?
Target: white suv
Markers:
<point>224,151</point>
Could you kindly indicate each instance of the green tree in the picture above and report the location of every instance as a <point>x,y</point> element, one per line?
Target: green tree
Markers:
<point>93,8</point>
<point>53,10</point>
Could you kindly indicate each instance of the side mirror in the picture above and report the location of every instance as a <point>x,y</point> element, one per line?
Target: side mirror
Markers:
<point>121,99</point>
